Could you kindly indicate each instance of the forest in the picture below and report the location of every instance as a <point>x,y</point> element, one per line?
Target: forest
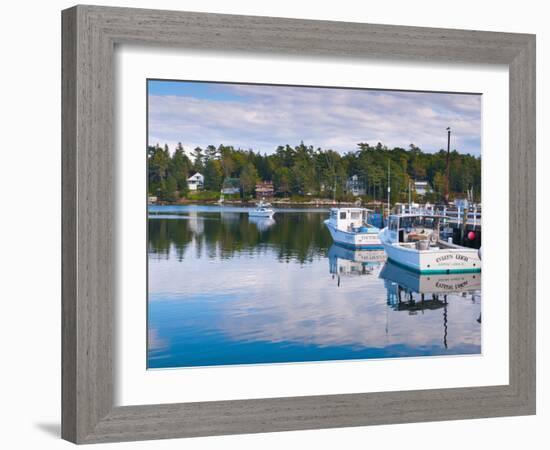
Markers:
<point>304,171</point>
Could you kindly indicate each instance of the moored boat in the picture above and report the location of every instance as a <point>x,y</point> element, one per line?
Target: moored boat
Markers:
<point>262,209</point>
<point>412,241</point>
<point>349,227</point>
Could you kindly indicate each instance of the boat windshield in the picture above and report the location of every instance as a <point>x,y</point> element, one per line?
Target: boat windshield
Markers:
<point>417,222</point>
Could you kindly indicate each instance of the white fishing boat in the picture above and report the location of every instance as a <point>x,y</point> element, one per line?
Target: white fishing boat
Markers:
<point>412,241</point>
<point>262,209</point>
<point>349,228</point>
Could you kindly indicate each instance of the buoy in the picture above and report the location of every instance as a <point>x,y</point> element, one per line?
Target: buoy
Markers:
<point>471,235</point>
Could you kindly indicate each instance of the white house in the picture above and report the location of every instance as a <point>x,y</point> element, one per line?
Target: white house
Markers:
<point>195,181</point>
<point>355,186</point>
<point>422,187</point>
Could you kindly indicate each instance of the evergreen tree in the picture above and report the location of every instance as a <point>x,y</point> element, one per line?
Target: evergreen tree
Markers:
<point>180,166</point>
<point>213,175</point>
<point>249,178</point>
<point>169,191</point>
<point>198,159</point>
<point>157,167</point>
<point>211,152</point>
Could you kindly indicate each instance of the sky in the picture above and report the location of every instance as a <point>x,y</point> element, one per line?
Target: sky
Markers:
<point>262,117</point>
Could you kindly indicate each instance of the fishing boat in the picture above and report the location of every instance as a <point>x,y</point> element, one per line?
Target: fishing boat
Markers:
<point>262,209</point>
<point>413,241</point>
<point>349,228</point>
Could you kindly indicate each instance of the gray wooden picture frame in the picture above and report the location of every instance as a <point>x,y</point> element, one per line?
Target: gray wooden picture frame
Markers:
<point>90,34</point>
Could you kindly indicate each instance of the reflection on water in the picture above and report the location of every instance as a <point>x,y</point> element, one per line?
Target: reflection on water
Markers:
<point>346,262</point>
<point>262,223</point>
<point>228,289</point>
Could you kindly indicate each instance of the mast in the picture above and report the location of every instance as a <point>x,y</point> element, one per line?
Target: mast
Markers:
<point>409,195</point>
<point>446,196</point>
<point>389,188</point>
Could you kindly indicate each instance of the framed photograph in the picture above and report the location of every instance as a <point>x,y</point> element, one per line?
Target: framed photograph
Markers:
<point>278,224</point>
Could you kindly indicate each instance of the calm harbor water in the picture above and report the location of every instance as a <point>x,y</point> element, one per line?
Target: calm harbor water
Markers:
<point>228,289</point>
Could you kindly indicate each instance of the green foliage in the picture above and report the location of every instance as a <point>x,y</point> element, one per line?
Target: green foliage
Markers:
<point>158,162</point>
<point>249,178</point>
<point>167,175</point>
<point>439,182</point>
<point>230,197</point>
<point>198,159</point>
<point>180,167</point>
<point>203,196</point>
<point>170,191</point>
<point>213,175</point>
<point>303,171</point>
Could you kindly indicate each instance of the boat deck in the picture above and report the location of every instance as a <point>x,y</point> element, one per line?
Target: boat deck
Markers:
<point>441,245</point>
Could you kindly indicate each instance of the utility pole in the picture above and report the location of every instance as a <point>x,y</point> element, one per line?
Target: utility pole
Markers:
<point>389,188</point>
<point>446,196</point>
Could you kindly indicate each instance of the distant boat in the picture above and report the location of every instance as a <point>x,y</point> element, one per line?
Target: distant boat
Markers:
<point>412,241</point>
<point>262,209</point>
<point>349,228</point>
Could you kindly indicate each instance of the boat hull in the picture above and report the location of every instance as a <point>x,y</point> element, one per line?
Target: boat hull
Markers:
<point>358,241</point>
<point>433,261</point>
<point>265,214</point>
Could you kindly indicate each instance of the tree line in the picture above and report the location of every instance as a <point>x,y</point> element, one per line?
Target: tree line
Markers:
<point>307,171</point>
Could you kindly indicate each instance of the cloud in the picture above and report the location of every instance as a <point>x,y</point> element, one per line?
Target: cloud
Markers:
<point>263,117</point>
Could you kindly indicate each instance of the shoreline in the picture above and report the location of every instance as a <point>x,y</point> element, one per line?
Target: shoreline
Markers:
<point>281,202</point>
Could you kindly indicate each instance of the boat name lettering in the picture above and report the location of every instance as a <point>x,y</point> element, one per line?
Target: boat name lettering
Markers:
<point>456,256</point>
<point>461,285</point>
<point>451,287</point>
<point>441,285</point>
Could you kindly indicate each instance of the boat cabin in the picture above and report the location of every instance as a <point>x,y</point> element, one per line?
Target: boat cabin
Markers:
<point>414,229</point>
<point>351,219</point>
